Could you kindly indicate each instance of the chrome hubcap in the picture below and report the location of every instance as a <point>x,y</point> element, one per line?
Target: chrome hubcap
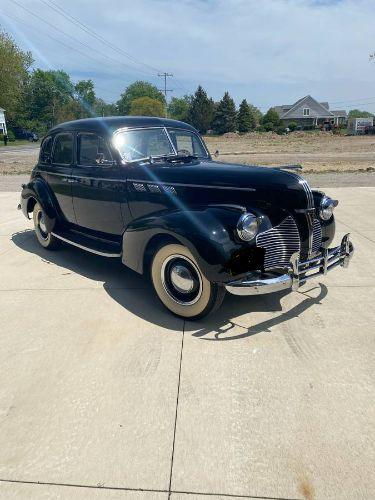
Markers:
<point>181,279</point>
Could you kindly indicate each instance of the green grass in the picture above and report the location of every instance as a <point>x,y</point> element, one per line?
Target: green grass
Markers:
<point>17,142</point>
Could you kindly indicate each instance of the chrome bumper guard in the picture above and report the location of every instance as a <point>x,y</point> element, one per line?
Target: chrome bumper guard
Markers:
<point>297,273</point>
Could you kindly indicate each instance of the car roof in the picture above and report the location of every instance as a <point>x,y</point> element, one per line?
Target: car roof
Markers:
<point>109,124</point>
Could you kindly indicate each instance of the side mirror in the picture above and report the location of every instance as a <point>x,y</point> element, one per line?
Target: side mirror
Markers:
<point>216,154</point>
<point>100,160</point>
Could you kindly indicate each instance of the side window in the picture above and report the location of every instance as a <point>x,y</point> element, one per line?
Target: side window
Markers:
<point>46,150</point>
<point>186,141</point>
<point>92,148</point>
<point>63,149</point>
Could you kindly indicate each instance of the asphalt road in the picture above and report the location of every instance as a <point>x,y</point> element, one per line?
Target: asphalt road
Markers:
<point>105,395</point>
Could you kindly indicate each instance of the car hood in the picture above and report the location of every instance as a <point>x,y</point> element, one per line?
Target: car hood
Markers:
<point>240,184</point>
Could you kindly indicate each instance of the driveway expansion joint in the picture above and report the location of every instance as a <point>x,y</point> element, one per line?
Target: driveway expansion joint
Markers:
<point>176,413</point>
<point>145,490</point>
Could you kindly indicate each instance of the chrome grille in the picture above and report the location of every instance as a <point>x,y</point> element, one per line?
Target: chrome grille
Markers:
<point>317,235</point>
<point>279,242</point>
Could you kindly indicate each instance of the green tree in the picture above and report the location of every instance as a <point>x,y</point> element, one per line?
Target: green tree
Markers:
<point>201,111</point>
<point>225,119</point>
<point>49,97</point>
<point>271,120</point>
<point>356,113</point>
<point>256,113</point>
<point>102,108</point>
<point>84,92</point>
<point>135,91</point>
<point>246,118</point>
<point>14,67</point>
<point>145,106</point>
<point>179,107</point>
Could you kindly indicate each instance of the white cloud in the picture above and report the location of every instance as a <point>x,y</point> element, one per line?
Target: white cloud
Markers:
<point>270,51</point>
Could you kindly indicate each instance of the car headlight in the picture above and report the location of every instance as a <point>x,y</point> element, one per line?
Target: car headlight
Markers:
<point>247,227</point>
<point>326,207</point>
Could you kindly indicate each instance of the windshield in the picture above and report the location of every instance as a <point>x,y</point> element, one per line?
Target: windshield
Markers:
<point>137,144</point>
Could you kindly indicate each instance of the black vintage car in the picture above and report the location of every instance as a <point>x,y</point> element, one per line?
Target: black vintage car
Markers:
<point>147,191</point>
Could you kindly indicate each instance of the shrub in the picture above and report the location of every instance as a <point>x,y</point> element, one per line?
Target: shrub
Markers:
<point>11,136</point>
<point>268,126</point>
<point>280,130</point>
<point>293,126</point>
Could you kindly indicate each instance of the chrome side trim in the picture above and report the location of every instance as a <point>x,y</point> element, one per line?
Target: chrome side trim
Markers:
<point>206,186</point>
<point>88,249</point>
<point>180,184</point>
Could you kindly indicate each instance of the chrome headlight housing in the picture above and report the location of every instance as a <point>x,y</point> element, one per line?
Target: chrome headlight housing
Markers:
<point>247,226</point>
<point>326,208</point>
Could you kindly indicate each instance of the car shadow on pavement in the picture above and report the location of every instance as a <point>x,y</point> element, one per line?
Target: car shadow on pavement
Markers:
<point>135,294</point>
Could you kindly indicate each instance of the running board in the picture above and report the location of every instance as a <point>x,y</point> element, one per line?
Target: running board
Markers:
<point>88,243</point>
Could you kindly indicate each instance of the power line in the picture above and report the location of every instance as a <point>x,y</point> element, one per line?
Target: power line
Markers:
<point>97,36</point>
<point>108,92</point>
<point>106,56</point>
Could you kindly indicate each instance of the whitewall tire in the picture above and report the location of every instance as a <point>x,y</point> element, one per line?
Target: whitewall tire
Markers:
<point>180,284</point>
<point>45,238</point>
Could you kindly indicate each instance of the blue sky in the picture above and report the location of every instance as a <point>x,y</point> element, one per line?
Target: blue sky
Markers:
<point>269,52</point>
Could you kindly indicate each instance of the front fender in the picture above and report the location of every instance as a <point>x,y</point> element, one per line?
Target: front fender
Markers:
<point>38,190</point>
<point>208,232</point>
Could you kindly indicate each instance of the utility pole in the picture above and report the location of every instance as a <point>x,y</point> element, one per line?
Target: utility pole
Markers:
<point>165,90</point>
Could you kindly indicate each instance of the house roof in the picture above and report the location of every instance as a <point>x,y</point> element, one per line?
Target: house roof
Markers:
<point>325,111</point>
<point>339,112</point>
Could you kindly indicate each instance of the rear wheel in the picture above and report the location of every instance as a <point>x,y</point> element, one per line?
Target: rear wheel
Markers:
<point>180,284</point>
<point>45,238</point>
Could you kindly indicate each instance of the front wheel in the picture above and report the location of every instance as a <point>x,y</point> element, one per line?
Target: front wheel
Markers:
<point>45,238</point>
<point>181,286</point>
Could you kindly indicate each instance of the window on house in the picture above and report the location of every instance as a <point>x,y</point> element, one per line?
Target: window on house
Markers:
<point>306,111</point>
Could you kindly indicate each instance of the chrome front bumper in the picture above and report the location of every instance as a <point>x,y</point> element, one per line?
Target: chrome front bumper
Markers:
<point>296,274</point>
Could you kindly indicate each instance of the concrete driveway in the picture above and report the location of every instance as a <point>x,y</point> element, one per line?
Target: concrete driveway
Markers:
<point>105,395</point>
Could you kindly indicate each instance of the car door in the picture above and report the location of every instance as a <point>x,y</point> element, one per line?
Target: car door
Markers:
<point>59,173</point>
<point>98,186</point>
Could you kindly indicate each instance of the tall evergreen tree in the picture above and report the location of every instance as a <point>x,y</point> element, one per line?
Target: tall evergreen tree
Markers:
<point>201,111</point>
<point>225,119</point>
<point>246,118</point>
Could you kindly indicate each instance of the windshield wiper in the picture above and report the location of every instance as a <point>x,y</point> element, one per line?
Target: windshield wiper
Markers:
<point>183,158</point>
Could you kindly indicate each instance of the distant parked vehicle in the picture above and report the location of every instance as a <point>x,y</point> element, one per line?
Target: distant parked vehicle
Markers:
<point>29,135</point>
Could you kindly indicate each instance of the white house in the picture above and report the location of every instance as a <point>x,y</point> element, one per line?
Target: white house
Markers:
<point>3,125</point>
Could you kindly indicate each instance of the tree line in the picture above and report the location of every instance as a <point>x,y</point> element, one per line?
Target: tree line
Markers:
<point>37,99</point>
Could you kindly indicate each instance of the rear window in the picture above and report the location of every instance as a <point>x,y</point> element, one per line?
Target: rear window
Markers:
<point>63,149</point>
<point>45,150</point>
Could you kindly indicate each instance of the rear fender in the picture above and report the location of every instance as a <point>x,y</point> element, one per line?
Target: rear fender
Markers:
<point>37,190</point>
<point>209,233</point>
